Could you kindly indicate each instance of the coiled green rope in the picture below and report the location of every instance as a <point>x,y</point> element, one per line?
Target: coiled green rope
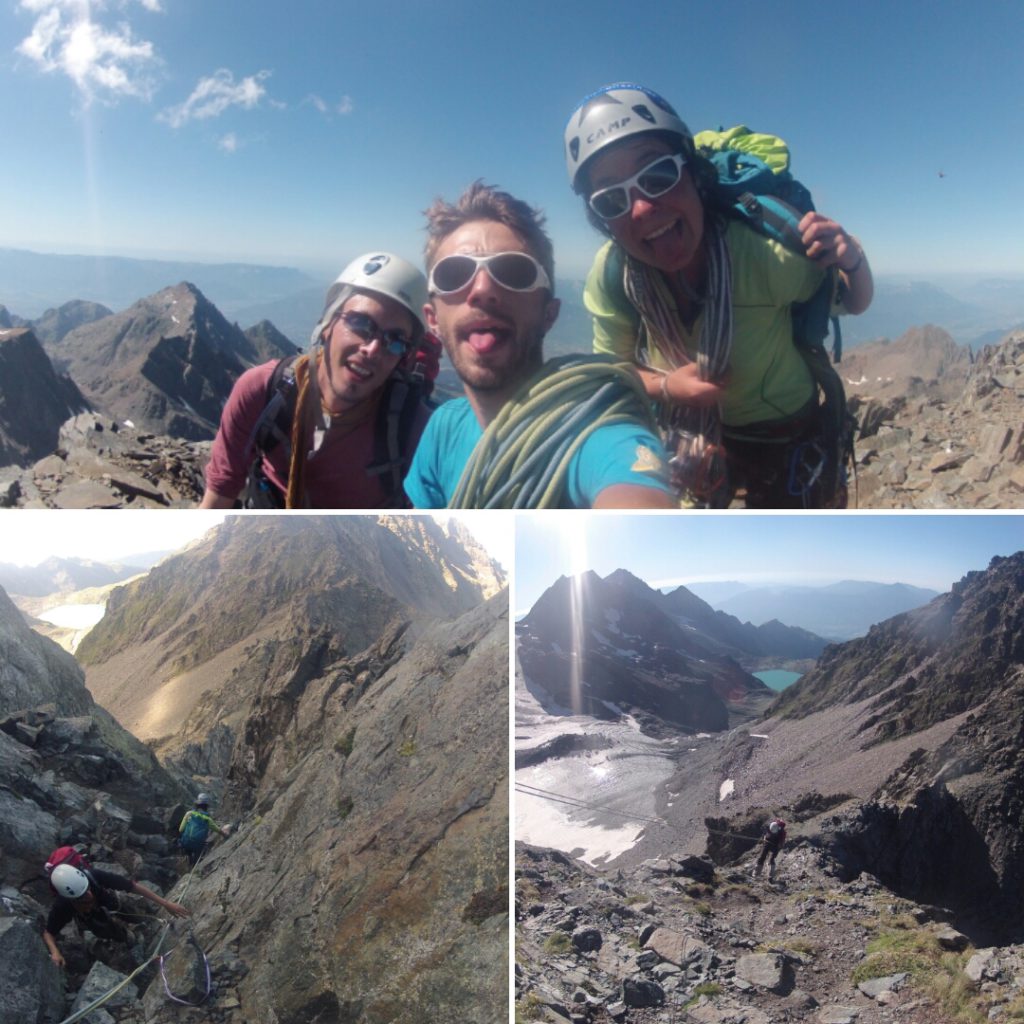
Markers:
<point>523,458</point>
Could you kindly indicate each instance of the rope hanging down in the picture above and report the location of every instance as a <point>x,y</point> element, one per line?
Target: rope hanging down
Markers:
<point>561,798</point>
<point>523,458</point>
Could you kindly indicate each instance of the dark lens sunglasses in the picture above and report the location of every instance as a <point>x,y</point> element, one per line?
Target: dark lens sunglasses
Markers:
<point>653,180</point>
<point>516,271</point>
<point>364,327</point>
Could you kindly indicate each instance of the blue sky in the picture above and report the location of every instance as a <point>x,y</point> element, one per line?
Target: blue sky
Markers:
<point>814,549</point>
<point>304,133</point>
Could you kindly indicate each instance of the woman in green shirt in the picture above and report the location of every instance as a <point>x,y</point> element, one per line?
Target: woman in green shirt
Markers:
<point>701,304</point>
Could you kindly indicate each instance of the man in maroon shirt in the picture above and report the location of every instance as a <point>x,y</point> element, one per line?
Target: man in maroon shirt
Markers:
<point>362,347</point>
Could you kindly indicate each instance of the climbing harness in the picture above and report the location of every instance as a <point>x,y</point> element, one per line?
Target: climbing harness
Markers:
<point>523,458</point>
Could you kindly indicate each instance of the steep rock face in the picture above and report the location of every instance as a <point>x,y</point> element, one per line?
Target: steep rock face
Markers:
<point>34,670</point>
<point>194,616</point>
<point>373,793</point>
<point>55,323</point>
<point>68,775</point>
<point>34,400</point>
<point>917,727</point>
<point>167,363</point>
<point>596,646</point>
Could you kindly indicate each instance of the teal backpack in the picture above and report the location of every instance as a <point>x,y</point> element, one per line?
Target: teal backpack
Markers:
<point>197,828</point>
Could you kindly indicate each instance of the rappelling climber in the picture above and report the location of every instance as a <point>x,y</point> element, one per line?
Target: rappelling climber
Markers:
<point>771,842</point>
<point>89,896</point>
<point>194,830</point>
<point>576,432</point>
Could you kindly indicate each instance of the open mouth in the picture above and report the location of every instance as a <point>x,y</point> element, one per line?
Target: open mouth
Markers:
<point>662,231</point>
<point>359,372</point>
<point>485,337</point>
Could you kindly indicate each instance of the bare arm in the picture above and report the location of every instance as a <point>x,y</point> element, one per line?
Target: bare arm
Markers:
<point>682,386</point>
<point>211,499</point>
<point>51,945</point>
<point>634,496</point>
<point>172,908</point>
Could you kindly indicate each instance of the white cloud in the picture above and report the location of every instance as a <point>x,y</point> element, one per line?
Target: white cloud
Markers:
<point>344,106</point>
<point>229,143</point>
<point>101,59</point>
<point>213,95</point>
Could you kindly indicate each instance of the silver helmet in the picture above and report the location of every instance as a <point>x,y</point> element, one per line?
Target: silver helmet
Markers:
<point>382,273</point>
<point>614,113</point>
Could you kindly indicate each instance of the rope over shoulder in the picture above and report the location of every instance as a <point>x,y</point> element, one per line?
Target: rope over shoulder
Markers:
<point>523,458</point>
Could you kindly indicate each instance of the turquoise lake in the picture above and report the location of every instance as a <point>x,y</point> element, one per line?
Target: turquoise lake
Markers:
<point>777,678</point>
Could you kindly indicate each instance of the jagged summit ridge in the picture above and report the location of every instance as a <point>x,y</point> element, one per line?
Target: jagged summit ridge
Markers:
<point>167,363</point>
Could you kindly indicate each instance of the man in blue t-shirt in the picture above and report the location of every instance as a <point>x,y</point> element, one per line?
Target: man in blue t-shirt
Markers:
<point>491,272</point>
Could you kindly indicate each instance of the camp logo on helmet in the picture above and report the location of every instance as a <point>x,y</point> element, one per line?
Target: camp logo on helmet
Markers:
<point>615,126</point>
<point>375,263</point>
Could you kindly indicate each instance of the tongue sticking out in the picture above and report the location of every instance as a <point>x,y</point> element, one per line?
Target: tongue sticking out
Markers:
<point>484,341</point>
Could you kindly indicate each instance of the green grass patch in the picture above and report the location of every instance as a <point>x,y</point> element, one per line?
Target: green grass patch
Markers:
<point>344,745</point>
<point>705,988</point>
<point>558,942</point>
<point>903,946</point>
<point>527,1009</point>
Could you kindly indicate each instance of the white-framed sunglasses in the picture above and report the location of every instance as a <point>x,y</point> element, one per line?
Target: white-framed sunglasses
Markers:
<point>516,271</point>
<point>654,180</point>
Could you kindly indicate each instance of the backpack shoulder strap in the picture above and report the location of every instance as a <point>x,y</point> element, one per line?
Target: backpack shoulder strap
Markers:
<point>274,426</point>
<point>396,417</point>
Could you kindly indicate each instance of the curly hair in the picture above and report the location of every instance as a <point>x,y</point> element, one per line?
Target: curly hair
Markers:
<point>485,202</point>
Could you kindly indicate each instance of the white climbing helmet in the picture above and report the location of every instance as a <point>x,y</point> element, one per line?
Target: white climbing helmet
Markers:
<point>203,800</point>
<point>383,273</point>
<point>775,828</point>
<point>69,881</point>
<point>614,113</point>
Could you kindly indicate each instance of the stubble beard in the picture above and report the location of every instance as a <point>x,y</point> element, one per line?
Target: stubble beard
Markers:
<point>508,377</point>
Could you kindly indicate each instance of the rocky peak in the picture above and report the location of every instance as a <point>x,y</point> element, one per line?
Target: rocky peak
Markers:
<point>268,342</point>
<point>51,327</point>
<point>167,364</point>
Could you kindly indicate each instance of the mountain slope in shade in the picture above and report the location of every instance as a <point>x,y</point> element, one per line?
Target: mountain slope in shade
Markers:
<point>34,399</point>
<point>55,323</point>
<point>604,646</point>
